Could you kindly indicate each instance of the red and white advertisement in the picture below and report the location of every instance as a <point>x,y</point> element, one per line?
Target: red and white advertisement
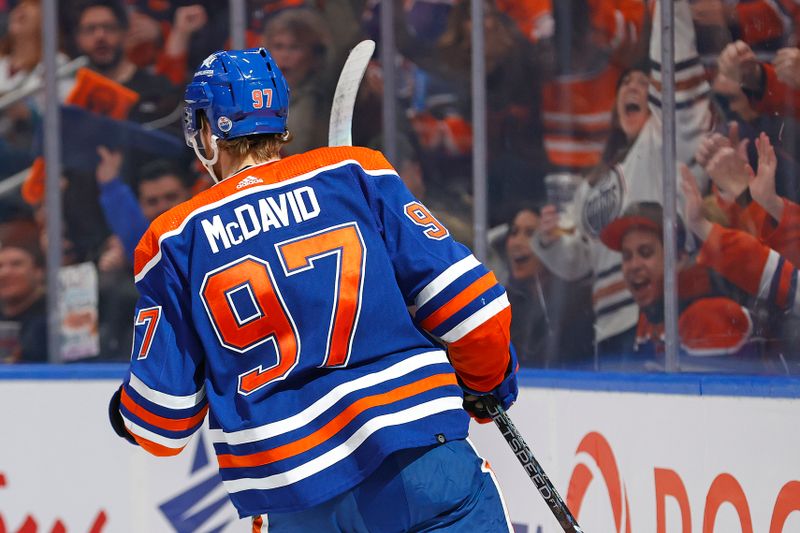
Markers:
<point>653,463</point>
<point>63,470</point>
<point>625,462</point>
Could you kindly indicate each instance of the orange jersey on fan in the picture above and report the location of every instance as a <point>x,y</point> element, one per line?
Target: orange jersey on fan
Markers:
<point>576,108</point>
<point>763,267</point>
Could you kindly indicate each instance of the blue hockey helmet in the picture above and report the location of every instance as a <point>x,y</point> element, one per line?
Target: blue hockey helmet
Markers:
<point>240,92</point>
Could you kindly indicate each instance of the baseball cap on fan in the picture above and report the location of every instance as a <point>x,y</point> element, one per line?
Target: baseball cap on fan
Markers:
<point>640,215</point>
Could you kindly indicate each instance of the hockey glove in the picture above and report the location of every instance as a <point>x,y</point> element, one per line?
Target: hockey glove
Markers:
<point>115,417</point>
<point>505,393</point>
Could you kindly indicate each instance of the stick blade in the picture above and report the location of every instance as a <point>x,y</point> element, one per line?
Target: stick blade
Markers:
<point>344,98</point>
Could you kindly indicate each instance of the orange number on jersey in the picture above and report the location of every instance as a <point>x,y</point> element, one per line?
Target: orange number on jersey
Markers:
<point>270,320</point>
<point>420,216</point>
<point>147,317</point>
<point>346,243</point>
<point>258,98</point>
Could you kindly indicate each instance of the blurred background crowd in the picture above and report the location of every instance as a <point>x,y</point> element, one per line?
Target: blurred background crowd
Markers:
<point>574,119</point>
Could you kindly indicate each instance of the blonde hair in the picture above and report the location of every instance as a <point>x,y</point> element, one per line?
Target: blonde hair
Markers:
<point>261,147</point>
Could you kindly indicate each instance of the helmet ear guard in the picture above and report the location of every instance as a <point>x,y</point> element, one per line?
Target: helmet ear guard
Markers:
<point>208,163</point>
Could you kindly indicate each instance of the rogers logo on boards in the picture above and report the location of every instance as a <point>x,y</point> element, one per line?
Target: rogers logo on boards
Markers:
<point>724,489</point>
<point>597,448</point>
<point>30,524</point>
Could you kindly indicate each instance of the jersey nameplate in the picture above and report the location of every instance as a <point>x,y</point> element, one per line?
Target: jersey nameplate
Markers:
<point>251,219</point>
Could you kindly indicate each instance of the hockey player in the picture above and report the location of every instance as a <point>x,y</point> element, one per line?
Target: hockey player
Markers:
<point>277,302</point>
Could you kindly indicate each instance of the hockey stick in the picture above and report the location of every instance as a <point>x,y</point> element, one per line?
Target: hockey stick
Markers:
<point>531,465</point>
<point>340,128</point>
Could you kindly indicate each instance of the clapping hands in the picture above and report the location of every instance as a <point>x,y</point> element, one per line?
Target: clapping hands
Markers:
<point>762,185</point>
<point>725,161</point>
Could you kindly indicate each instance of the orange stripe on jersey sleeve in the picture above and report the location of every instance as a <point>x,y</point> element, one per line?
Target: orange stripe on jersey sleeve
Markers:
<point>610,290</point>
<point>739,257</point>
<point>481,356</point>
<point>785,238</point>
<point>337,424</point>
<point>155,448</point>
<point>169,424</point>
<point>268,173</point>
<point>461,300</point>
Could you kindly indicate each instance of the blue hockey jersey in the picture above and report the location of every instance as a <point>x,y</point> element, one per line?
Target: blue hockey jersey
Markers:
<point>278,303</point>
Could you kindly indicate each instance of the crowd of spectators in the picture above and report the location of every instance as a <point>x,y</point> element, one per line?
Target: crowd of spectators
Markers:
<point>573,94</point>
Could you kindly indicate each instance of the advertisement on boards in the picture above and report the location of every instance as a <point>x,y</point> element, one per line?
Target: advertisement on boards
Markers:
<point>653,463</point>
<point>624,462</point>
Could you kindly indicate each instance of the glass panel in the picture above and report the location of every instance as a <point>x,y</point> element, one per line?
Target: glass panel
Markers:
<point>593,190</point>
<point>574,127</point>
<point>123,156</point>
<point>556,148</point>
<point>433,83</point>
<point>746,170</point>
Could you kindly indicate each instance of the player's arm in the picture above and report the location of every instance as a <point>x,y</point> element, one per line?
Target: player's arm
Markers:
<point>457,299</point>
<point>162,401</point>
<point>692,108</point>
<point>752,266</point>
<point>760,21</point>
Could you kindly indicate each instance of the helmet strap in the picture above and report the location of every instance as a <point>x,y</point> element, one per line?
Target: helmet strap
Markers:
<point>208,163</point>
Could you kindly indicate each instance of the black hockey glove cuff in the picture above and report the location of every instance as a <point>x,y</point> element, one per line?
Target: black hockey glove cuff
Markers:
<point>115,417</point>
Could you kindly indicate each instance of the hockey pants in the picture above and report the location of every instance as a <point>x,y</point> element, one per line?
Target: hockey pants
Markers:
<point>444,488</point>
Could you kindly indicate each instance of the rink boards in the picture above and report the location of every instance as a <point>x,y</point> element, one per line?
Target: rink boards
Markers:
<point>637,454</point>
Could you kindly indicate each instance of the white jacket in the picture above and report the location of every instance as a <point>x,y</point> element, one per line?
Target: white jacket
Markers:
<point>637,178</point>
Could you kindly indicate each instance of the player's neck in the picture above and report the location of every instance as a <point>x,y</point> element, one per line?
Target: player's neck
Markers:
<point>229,167</point>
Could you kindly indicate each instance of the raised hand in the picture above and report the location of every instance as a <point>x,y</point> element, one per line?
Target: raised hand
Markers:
<point>189,19</point>
<point>693,206</point>
<point>787,66</point>
<point>738,62</point>
<point>109,166</point>
<point>762,185</point>
<point>729,172</point>
<point>712,143</point>
<point>548,231</point>
<point>142,29</point>
<point>709,146</point>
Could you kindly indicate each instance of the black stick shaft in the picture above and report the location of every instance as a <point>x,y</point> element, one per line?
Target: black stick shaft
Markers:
<point>531,466</point>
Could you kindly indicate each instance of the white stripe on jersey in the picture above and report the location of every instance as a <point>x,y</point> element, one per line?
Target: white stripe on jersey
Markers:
<point>166,400</point>
<point>444,279</point>
<point>327,459</point>
<point>693,70</point>
<point>252,190</point>
<point>767,274</point>
<point>167,442</point>
<point>796,306</point>
<point>476,319</point>
<point>600,118</point>
<point>572,146</point>
<point>692,95</point>
<point>317,408</point>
